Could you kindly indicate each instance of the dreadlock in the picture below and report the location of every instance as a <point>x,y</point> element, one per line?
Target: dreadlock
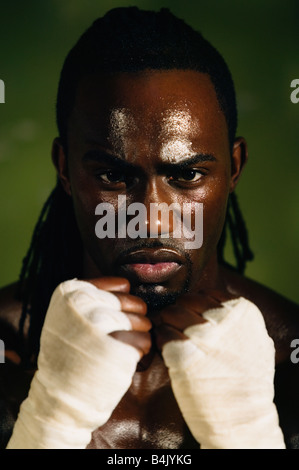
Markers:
<point>55,255</point>
<point>124,40</point>
<point>235,224</point>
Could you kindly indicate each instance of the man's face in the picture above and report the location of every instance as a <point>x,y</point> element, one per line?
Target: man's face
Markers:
<point>154,137</point>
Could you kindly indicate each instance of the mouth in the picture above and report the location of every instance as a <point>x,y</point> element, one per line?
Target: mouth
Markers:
<point>151,265</point>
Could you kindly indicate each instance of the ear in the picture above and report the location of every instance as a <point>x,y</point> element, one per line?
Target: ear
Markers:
<point>239,159</point>
<point>60,162</point>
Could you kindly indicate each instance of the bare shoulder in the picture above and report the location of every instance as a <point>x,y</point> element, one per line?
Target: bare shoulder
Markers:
<point>14,380</point>
<point>281,314</point>
<point>281,317</point>
<point>10,313</point>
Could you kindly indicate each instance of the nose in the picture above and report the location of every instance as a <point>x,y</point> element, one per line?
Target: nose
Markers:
<point>160,209</point>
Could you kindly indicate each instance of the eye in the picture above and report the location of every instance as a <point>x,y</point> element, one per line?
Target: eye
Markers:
<point>112,176</point>
<point>114,179</point>
<point>187,175</point>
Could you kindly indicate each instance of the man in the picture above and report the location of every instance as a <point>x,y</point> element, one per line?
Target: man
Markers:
<point>149,343</point>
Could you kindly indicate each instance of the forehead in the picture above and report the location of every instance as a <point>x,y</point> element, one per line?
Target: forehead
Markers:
<point>153,104</point>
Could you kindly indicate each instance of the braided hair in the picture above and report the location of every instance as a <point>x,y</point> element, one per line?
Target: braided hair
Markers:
<point>124,40</point>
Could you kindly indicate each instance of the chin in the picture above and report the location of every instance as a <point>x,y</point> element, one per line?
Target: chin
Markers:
<point>156,296</point>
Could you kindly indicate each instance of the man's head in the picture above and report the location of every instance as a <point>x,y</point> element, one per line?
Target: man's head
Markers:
<point>146,108</point>
<point>152,118</point>
<point>132,40</point>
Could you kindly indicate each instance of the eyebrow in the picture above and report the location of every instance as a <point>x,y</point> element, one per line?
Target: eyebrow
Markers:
<point>198,158</point>
<point>103,157</point>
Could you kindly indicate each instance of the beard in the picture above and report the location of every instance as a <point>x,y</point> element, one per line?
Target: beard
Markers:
<point>156,298</point>
<point>156,295</point>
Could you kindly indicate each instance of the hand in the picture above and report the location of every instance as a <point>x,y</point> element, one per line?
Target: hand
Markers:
<point>135,310</point>
<point>221,366</point>
<point>187,311</point>
<point>85,365</point>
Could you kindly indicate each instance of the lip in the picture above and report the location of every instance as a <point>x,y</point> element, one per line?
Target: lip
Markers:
<point>151,265</point>
<point>151,256</point>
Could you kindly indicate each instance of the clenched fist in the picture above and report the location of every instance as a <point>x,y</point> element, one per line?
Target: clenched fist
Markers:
<point>221,366</point>
<point>93,337</point>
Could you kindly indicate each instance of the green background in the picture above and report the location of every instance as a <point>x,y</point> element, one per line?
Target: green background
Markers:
<point>260,42</point>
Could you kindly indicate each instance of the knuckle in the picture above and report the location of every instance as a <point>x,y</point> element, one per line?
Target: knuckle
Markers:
<point>140,340</point>
<point>131,303</point>
<point>139,322</point>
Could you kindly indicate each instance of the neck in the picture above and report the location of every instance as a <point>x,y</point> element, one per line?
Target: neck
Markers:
<point>209,278</point>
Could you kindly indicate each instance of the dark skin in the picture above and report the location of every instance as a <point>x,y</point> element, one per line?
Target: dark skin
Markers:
<point>149,123</point>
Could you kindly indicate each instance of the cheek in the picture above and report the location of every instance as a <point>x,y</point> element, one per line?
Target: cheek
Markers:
<point>214,214</point>
<point>214,198</point>
<point>85,199</point>
<point>99,251</point>
<point>213,220</point>
<point>84,213</point>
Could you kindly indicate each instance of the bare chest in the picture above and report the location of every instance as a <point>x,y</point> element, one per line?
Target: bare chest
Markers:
<point>147,417</point>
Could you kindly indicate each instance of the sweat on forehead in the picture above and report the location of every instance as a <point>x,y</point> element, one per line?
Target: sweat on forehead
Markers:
<point>176,128</point>
<point>159,105</point>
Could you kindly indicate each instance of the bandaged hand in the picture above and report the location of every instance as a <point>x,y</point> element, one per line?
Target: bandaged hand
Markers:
<point>221,366</point>
<point>83,371</point>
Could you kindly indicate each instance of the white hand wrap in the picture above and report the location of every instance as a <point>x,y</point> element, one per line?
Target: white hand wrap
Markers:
<point>222,378</point>
<point>82,372</point>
